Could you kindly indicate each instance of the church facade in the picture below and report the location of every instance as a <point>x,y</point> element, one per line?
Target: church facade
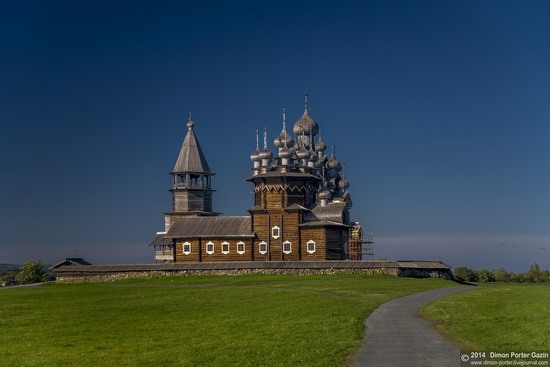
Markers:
<point>300,207</point>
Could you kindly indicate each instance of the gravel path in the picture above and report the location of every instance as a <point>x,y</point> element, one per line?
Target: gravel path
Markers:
<point>396,335</point>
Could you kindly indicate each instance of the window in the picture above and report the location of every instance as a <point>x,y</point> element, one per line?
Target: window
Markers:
<point>186,248</point>
<point>210,248</point>
<point>287,247</point>
<point>240,247</point>
<point>275,232</point>
<point>311,246</point>
<point>225,247</point>
<point>263,247</point>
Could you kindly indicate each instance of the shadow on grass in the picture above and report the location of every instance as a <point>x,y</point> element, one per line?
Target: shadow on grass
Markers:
<point>463,282</point>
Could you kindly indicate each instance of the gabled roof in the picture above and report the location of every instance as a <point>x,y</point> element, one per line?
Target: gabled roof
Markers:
<point>191,157</point>
<point>71,261</point>
<point>334,212</point>
<point>226,226</point>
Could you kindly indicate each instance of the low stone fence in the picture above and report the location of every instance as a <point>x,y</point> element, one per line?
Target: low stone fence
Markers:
<point>109,273</point>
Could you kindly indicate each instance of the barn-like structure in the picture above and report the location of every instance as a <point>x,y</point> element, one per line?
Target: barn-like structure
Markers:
<point>300,210</point>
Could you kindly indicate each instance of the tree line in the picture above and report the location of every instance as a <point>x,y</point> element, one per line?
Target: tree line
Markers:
<point>31,272</point>
<point>533,275</point>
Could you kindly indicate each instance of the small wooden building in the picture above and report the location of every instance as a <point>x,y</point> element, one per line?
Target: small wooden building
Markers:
<point>300,208</point>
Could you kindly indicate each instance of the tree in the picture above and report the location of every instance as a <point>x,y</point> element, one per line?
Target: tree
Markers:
<point>464,274</point>
<point>485,275</point>
<point>534,275</point>
<point>31,272</point>
<point>501,275</point>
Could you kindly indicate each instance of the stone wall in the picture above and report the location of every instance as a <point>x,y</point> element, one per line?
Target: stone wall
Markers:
<point>77,276</point>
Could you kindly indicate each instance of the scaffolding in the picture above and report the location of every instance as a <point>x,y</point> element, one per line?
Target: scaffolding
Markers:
<point>359,248</point>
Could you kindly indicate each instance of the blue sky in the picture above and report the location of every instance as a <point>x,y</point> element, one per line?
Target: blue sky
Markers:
<point>438,109</point>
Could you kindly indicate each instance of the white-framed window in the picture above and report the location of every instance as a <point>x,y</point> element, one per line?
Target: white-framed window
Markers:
<point>263,247</point>
<point>186,248</point>
<point>210,248</point>
<point>275,232</point>
<point>310,246</point>
<point>287,247</point>
<point>225,247</point>
<point>240,247</point>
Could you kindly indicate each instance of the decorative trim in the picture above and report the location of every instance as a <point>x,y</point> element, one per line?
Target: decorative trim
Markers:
<point>188,246</point>
<point>263,245</point>
<point>287,247</point>
<point>209,247</point>
<point>310,242</point>
<point>275,232</point>
<point>225,243</point>
<point>239,244</point>
<point>284,187</point>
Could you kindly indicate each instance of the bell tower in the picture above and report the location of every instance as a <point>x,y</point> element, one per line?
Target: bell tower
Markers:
<point>191,181</point>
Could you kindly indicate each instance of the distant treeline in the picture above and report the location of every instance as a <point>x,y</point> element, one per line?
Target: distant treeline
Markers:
<point>534,275</point>
<point>7,268</point>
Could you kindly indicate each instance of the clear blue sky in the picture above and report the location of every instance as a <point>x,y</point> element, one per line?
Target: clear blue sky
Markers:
<point>439,109</point>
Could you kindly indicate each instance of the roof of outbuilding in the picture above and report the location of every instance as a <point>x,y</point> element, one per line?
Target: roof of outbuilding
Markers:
<point>191,157</point>
<point>71,261</point>
<point>226,226</point>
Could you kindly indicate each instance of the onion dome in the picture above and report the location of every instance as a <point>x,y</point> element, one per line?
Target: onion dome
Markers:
<point>306,123</point>
<point>285,152</point>
<point>312,156</point>
<point>321,162</point>
<point>283,138</point>
<point>265,153</point>
<point>324,194</point>
<point>255,156</point>
<point>320,146</point>
<point>334,164</point>
<point>303,153</point>
<point>343,183</point>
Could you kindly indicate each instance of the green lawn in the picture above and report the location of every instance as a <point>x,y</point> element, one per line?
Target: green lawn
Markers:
<point>252,320</point>
<point>497,317</point>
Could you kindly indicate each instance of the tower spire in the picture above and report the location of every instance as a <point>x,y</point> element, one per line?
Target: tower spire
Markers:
<point>284,119</point>
<point>257,139</point>
<point>306,95</point>
<point>265,137</point>
<point>190,122</point>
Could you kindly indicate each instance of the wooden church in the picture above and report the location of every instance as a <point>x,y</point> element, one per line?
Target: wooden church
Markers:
<point>300,210</point>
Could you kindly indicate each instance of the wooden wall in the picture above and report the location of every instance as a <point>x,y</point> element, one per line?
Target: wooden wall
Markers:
<point>218,255</point>
<point>319,236</point>
<point>190,200</point>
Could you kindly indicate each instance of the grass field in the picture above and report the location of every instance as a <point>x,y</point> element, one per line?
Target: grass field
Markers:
<point>253,320</point>
<point>498,317</point>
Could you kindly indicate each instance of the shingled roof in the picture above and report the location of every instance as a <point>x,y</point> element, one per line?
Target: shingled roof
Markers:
<point>211,227</point>
<point>191,157</point>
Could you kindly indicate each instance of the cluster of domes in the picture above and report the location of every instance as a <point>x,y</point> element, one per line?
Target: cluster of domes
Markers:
<point>298,151</point>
